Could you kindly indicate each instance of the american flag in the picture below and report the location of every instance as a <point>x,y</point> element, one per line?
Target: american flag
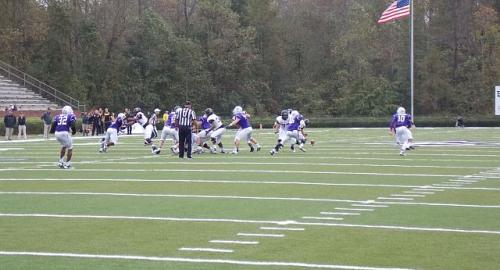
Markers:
<point>398,9</point>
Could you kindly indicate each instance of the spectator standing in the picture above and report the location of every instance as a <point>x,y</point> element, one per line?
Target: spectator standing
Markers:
<point>130,119</point>
<point>96,123</point>
<point>10,123</point>
<point>47,121</point>
<point>21,126</point>
<point>85,123</point>
<point>106,116</point>
<point>184,120</point>
<point>101,122</point>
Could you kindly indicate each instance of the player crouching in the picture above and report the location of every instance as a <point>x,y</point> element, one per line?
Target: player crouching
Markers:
<point>111,136</point>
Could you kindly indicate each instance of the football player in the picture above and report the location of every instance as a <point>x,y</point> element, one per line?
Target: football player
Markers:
<point>217,129</point>
<point>150,129</point>
<point>61,127</point>
<point>280,127</point>
<point>241,119</point>
<point>169,130</point>
<point>400,128</point>
<point>111,136</point>
<point>205,131</point>
<point>294,133</point>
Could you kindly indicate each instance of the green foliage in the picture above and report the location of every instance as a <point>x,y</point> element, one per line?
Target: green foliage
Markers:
<point>321,57</point>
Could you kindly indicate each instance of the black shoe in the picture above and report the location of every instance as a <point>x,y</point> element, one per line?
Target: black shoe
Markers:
<point>252,149</point>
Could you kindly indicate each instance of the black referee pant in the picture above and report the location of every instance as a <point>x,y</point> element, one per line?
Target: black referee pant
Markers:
<point>184,139</point>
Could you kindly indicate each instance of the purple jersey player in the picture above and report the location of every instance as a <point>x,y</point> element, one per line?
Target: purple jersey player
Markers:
<point>111,136</point>
<point>61,126</point>
<point>169,130</point>
<point>400,127</point>
<point>241,119</point>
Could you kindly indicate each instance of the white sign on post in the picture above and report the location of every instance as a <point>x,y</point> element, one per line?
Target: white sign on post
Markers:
<point>497,100</point>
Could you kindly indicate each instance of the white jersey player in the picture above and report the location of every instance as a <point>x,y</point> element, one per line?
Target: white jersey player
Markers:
<point>281,128</point>
<point>217,130</point>
<point>150,129</point>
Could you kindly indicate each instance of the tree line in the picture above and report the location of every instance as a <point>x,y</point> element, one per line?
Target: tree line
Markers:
<point>322,57</point>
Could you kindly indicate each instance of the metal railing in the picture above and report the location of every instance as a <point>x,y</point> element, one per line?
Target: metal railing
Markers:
<point>36,85</point>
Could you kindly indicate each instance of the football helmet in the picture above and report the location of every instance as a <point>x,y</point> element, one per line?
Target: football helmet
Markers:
<point>121,116</point>
<point>401,110</point>
<point>284,114</point>
<point>237,109</point>
<point>209,111</point>
<point>137,109</point>
<point>67,110</point>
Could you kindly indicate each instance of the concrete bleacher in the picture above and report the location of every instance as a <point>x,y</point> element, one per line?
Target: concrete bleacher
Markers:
<point>11,93</point>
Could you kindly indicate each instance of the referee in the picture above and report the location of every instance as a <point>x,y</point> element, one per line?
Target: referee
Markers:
<point>184,119</point>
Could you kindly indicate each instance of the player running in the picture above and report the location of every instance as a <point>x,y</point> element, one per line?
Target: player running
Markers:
<point>400,128</point>
<point>150,129</point>
<point>280,128</point>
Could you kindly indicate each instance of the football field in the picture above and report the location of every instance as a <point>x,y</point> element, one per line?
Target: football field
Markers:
<point>349,202</point>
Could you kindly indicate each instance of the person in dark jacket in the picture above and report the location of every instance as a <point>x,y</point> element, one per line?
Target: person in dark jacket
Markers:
<point>47,122</point>
<point>21,126</point>
<point>10,123</point>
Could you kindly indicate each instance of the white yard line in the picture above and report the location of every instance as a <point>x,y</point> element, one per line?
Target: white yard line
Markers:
<point>173,196</point>
<point>262,235</point>
<point>407,195</point>
<point>428,189</point>
<point>353,209</point>
<point>166,162</point>
<point>389,227</point>
<point>340,213</point>
<point>216,250</point>
<point>397,199</point>
<point>323,218</point>
<point>282,229</point>
<point>196,260</point>
<point>415,187</point>
<point>236,171</point>
<point>369,205</point>
<point>419,192</point>
<point>234,242</point>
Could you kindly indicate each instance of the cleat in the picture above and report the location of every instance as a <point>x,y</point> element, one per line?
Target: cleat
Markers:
<point>402,153</point>
<point>412,147</point>
<point>67,165</point>
<point>252,149</point>
<point>302,149</point>
<point>272,152</point>
<point>60,164</point>
<point>234,152</point>
<point>213,150</point>
<point>222,151</point>
<point>258,148</point>
<point>101,150</point>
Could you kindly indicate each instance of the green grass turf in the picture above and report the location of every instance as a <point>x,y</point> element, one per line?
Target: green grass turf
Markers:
<point>345,165</point>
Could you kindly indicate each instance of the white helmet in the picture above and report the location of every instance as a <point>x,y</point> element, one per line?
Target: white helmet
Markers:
<point>157,110</point>
<point>121,116</point>
<point>237,109</point>
<point>67,110</point>
<point>401,110</point>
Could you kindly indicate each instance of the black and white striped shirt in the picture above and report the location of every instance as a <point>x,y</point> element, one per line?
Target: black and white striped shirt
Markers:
<point>184,117</point>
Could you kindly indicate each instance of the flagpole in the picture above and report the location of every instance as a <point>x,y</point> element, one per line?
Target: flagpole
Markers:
<point>411,59</point>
